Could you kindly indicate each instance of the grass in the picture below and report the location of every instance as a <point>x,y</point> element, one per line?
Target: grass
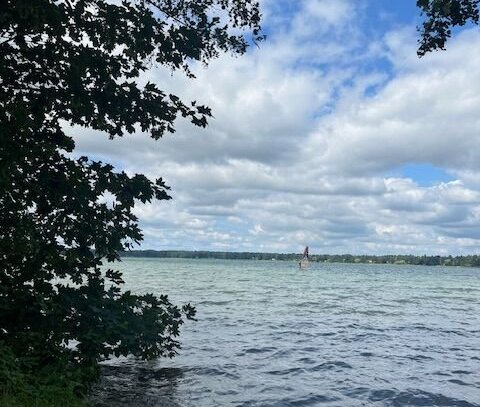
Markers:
<point>51,386</point>
<point>29,390</point>
<point>43,398</point>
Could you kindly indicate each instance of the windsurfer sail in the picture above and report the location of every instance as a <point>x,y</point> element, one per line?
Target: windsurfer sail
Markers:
<point>304,261</point>
<point>305,253</point>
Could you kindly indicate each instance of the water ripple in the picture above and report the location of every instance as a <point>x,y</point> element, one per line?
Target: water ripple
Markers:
<point>336,335</point>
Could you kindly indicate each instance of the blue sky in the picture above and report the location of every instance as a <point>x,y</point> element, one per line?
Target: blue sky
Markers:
<point>332,133</point>
<point>425,175</point>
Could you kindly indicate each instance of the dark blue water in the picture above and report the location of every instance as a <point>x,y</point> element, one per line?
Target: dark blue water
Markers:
<point>334,335</point>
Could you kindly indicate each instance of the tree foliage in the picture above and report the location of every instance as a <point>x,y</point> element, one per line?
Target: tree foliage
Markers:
<point>441,16</point>
<point>77,62</point>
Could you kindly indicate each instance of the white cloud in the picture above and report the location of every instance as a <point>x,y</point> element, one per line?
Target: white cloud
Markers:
<point>257,229</point>
<point>304,137</point>
<point>428,113</point>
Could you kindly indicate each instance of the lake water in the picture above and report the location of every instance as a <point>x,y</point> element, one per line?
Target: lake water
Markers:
<point>335,335</point>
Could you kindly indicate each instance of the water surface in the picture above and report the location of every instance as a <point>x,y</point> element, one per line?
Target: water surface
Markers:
<point>335,335</point>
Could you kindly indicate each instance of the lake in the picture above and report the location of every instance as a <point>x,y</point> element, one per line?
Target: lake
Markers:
<point>341,335</point>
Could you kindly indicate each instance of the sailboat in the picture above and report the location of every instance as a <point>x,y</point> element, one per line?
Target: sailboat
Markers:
<point>303,264</point>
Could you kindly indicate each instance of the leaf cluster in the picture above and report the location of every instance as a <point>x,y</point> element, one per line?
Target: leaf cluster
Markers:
<point>63,219</point>
<point>78,61</point>
<point>55,385</point>
<point>440,17</point>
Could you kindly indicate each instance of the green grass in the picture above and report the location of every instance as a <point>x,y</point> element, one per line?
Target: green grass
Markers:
<point>29,390</point>
<point>49,386</point>
<point>40,398</point>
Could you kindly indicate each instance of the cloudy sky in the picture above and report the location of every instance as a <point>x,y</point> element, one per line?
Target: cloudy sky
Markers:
<point>332,133</point>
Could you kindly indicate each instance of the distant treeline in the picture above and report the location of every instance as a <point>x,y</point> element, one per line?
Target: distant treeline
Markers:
<point>465,261</point>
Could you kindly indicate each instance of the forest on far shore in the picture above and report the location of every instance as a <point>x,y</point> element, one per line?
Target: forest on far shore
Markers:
<point>465,261</point>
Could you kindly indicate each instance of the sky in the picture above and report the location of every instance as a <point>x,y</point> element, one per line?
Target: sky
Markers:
<point>332,133</point>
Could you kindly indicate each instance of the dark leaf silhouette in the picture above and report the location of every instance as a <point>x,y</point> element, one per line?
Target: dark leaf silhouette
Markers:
<point>441,16</point>
<point>61,219</point>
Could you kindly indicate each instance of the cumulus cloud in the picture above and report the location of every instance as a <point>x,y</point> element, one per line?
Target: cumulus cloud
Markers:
<point>427,113</point>
<point>307,131</point>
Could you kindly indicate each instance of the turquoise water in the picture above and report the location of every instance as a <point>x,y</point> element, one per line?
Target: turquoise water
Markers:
<point>335,335</point>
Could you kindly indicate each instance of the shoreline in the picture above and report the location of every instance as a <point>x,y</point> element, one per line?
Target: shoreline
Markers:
<point>447,261</point>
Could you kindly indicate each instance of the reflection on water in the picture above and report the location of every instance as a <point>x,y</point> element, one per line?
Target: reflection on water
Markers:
<point>137,384</point>
<point>334,335</point>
